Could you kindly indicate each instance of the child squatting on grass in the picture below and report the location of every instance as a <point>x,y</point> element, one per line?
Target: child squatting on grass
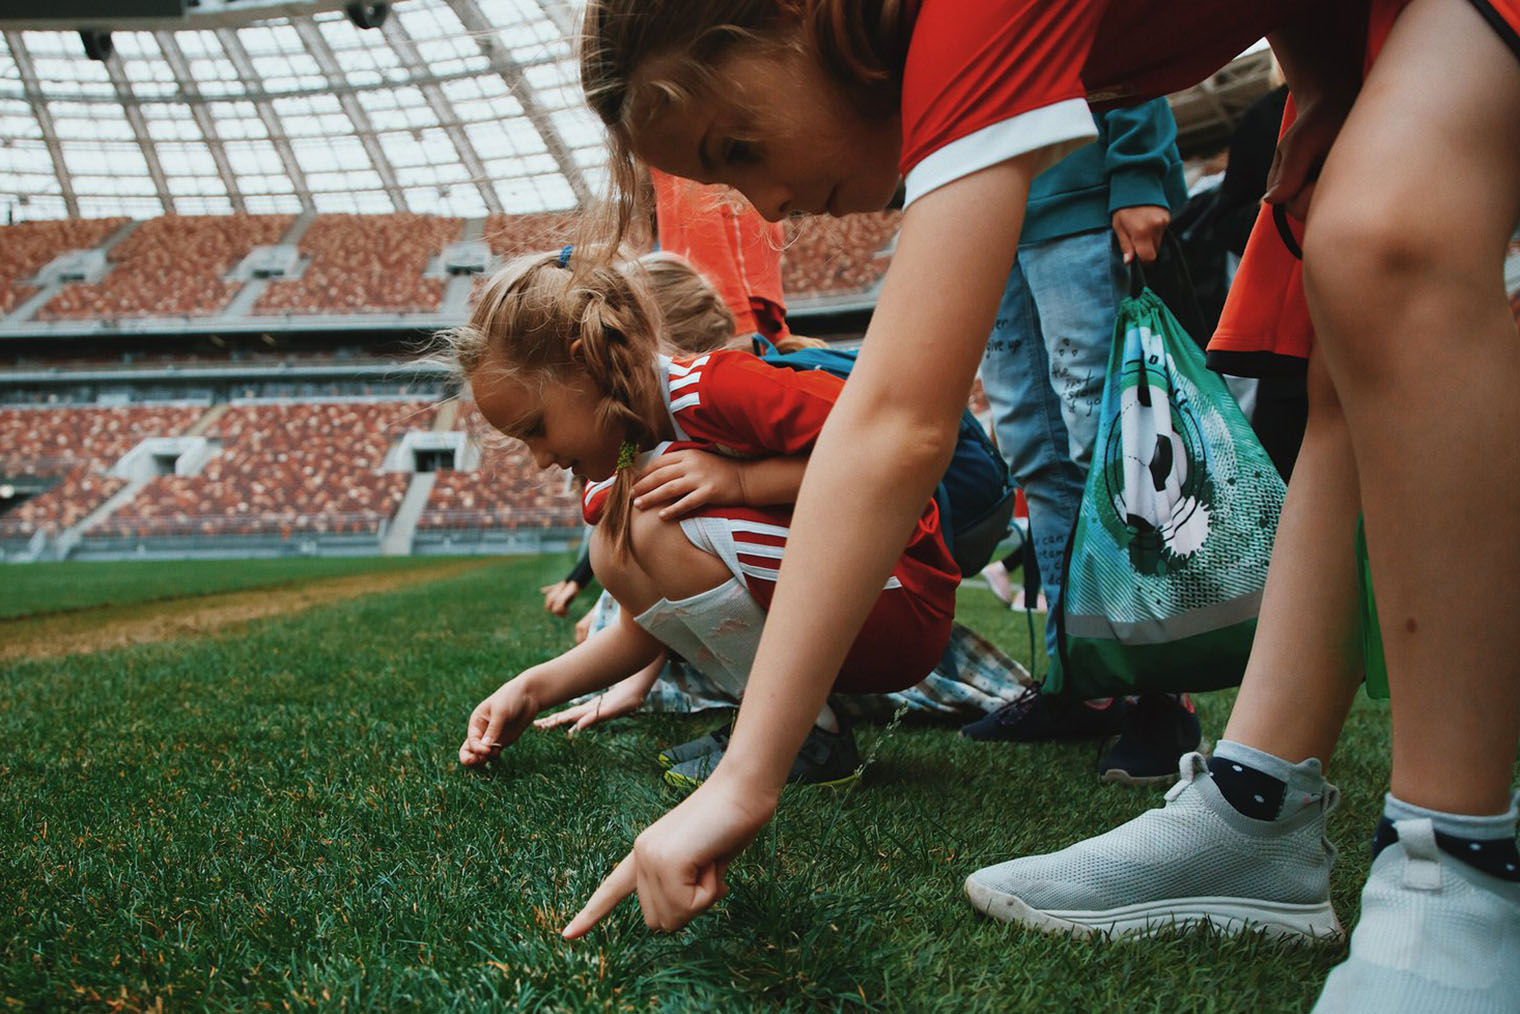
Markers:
<point>695,320</point>
<point>1409,184</point>
<point>568,363</point>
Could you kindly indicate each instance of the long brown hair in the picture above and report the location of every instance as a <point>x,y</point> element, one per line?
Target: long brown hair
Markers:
<point>862,44</point>
<point>529,315</point>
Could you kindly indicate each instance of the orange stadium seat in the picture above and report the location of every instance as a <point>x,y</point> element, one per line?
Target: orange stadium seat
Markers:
<point>507,491</point>
<point>78,444</point>
<point>836,256</point>
<point>365,264</point>
<point>170,267</point>
<point>285,467</point>
<point>26,248</point>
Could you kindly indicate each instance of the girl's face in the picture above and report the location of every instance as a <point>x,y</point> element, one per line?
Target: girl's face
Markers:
<point>557,420</point>
<point>783,134</point>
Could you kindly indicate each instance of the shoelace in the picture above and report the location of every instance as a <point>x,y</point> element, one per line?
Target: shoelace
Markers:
<point>1016,710</point>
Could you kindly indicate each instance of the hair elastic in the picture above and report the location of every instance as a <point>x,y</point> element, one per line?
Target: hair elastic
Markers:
<point>626,453</point>
<point>564,256</point>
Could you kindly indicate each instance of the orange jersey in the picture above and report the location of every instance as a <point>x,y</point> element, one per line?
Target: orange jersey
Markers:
<point>730,244</point>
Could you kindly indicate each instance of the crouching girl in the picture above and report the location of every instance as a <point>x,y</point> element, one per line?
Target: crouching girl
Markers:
<point>570,366</point>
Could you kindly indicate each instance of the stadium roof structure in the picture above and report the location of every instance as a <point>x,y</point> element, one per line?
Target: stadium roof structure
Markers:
<point>447,107</point>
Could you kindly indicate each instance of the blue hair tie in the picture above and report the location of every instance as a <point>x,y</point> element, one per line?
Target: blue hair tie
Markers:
<point>564,256</point>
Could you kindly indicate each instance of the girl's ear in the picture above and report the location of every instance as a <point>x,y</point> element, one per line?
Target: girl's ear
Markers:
<point>575,351</point>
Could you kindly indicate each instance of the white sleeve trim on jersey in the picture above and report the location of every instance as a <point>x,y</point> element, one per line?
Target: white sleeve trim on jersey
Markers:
<point>1063,126</point>
<point>667,366</point>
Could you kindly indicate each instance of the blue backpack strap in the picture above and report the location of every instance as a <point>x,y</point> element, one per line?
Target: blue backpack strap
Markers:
<point>975,496</point>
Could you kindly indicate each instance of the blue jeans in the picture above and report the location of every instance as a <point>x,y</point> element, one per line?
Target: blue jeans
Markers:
<point>1043,372</point>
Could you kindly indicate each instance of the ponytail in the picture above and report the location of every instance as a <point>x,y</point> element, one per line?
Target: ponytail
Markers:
<point>621,367</point>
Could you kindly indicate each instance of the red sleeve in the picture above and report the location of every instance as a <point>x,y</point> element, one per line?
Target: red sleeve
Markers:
<point>978,64</point>
<point>594,500</point>
<point>740,402</point>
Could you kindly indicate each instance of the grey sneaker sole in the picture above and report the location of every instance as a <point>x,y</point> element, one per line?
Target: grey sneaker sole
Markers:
<point>1118,776</point>
<point>1228,915</point>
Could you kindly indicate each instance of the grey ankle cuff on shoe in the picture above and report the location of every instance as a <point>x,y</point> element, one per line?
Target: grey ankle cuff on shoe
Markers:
<point>1306,778</point>
<point>1458,825</point>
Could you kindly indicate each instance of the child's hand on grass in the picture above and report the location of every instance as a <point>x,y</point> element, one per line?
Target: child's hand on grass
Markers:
<point>622,698</point>
<point>558,596</point>
<point>496,723</point>
<point>688,479</point>
<point>677,866</point>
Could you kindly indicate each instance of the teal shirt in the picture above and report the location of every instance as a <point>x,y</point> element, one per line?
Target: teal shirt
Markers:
<point>1134,161</point>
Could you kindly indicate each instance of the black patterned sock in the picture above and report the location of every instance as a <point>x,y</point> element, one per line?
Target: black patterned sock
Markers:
<point>1498,857</point>
<point>1255,794</point>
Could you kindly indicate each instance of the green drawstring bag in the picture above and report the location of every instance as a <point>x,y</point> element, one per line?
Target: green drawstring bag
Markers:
<point>1167,560</point>
<point>1374,666</point>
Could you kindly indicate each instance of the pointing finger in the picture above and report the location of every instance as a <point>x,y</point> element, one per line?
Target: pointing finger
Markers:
<point>620,883</point>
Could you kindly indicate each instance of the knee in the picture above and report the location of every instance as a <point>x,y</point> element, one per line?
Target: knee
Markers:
<point>641,573</point>
<point>1354,254</point>
<point>617,571</point>
<point>667,557</point>
<point>1377,272</point>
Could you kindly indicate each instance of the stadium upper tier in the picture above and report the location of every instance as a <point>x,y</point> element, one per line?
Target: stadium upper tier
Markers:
<point>266,467</point>
<point>260,272</point>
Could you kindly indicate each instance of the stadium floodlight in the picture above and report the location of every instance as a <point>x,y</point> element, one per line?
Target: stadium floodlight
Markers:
<point>368,15</point>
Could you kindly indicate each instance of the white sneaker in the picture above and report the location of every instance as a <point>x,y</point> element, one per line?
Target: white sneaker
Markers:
<point>1195,860</point>
<point>1435,936</point>
<point>996,576</point>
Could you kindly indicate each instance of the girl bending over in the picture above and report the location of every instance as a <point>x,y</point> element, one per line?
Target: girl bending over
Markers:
<point>568,363</point>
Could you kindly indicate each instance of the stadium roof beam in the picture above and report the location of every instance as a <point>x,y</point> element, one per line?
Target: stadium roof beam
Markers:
<point>191,90</point>
<point>320,51</point>
<point>38,102</point>
<point>476,23</point>
<point>558,12</point>
<point>243,64</point>
<point>204,15</point>
<point>139,125</point>
<point>401,40</point>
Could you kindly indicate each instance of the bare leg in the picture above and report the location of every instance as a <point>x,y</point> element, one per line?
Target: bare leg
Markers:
<point>1405,288</point>
<point>664,564</point>
<point>1306,660</point>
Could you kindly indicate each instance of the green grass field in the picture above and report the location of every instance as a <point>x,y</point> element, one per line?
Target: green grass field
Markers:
<point>275,819</point>
<point>34,588</point>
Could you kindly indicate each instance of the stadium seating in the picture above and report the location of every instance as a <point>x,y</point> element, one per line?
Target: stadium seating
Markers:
<point>285,467</point>
<point>27,247</point>
<point>511,235</point>
<point>836,256</point>
<point>175,266</point>
<point>508,491</point>
<point>365,264</point>
<point>77,444</point>
<point>170,267</point>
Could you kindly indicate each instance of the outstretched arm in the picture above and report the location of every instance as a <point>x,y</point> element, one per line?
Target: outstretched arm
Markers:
<point>885,445</point>
<point>595,664</point>
<point>622,698</point>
